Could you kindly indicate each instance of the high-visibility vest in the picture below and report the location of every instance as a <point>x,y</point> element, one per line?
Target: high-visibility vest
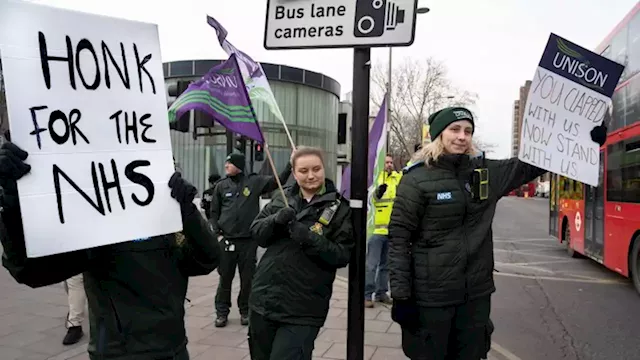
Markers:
<point>384,205</point>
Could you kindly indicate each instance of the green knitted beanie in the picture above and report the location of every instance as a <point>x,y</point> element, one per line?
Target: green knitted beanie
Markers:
<point>439,120</point>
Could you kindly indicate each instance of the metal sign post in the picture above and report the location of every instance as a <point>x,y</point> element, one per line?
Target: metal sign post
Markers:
<point>358,24</point>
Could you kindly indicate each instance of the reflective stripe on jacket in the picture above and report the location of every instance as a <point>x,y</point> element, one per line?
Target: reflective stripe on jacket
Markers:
<point>384,205</point>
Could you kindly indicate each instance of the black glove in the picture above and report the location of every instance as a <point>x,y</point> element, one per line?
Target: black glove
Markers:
<point>285,215</point>
<point>599,134</point>
<point>405,313</point>
<point>380,191</point>
<point>183,192</point>
<point>12,168</point>
<point>299,232</point>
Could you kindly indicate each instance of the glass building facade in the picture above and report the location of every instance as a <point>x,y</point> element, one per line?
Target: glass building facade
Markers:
<point>309,102</point>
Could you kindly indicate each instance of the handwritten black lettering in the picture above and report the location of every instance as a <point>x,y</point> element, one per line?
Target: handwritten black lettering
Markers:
<point>571,127</point>
<point>107,185</point>
<point>568,168</point>
<point>85,44</point>
<point>542,114</point>
<point>536,155</point>
<point>70,125</point>
<point>98,204</point>
<point>57,173</point>
<point>576,150</point>
<point>132,127</point>
<point>547,88</point>
<point>140,179</point>
<point>101,64</point>
<point>45,59</point>
<point>141,68</point>
<point>535,133</point>
<point>580,102</point>
<point>124,76</point>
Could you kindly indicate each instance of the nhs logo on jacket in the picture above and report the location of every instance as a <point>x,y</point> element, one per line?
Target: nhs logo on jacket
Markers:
<point>442,196</point>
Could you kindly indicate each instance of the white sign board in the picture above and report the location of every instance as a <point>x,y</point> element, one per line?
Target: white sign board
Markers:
<point>86,100</point>
<point>297,24</point>
<point>570,95</point>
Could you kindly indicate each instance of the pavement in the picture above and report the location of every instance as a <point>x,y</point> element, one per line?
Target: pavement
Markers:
<point>547,306</point>
<point>32,326</point>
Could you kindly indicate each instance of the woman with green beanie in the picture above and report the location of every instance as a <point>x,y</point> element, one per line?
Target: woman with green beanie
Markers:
<point>440,240</point>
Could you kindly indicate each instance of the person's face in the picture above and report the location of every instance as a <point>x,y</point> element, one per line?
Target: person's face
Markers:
<point>309,172</point>
<point>231,169</point>
<point>388,164</point>
<point>457,137</point>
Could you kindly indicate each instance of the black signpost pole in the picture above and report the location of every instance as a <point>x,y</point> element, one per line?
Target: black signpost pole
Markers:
<point>359,156</point>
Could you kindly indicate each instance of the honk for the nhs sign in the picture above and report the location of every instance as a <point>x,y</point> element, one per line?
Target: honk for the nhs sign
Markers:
<point>570,94</point>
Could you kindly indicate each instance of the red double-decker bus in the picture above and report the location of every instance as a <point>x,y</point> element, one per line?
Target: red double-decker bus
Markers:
<point>603,223</point>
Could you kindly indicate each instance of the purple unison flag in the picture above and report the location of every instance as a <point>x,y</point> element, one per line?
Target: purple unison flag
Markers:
<point>377,140</point>
<point>221,93</point>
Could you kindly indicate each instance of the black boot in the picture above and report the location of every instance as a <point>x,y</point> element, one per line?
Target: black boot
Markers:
<point>74,334</point>
<point>221,321</point>
<point>244,320</point>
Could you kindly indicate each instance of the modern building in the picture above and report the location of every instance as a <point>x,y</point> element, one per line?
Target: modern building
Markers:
<point>518,116</point>
<point>309,102</point>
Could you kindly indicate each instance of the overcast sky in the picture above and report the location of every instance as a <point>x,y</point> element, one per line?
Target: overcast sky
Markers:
<point>490,47</point>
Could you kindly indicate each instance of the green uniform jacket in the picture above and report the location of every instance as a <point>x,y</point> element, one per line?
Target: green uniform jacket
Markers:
<point>136,290</point>
<point>236,202</point>
<point>294,281</point>
<point>440,239</point>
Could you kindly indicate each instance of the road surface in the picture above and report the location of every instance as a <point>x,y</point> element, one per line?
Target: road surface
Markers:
<point>550,306</point>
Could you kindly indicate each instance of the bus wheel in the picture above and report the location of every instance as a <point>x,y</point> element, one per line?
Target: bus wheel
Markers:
<point>635,264</point>
<point>567,242</point>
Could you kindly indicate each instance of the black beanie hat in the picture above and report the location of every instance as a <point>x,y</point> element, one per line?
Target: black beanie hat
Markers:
<point>237,160</point>
<point>439,120</point>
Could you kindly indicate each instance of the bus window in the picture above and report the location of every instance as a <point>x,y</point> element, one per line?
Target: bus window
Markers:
<point>614,173</point>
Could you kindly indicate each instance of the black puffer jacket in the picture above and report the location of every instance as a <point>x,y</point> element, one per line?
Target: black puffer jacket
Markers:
<point>441,246</point>
<point>294,281</point>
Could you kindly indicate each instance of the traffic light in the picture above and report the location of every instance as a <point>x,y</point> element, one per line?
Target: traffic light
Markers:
<point>258,153</point>
<point>240,143</point>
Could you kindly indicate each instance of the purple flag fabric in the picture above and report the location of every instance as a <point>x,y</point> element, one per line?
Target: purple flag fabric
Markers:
<point>377,140</point>
<point>221,93</point>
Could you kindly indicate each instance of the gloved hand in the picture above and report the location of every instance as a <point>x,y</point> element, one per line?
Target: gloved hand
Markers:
<point>285,215</point>
<point>12,168</point>
<point>380,190</point>
<point>405,313</point>
<point>183,192</point>
<point>599,134</point>
<point>299,232</point>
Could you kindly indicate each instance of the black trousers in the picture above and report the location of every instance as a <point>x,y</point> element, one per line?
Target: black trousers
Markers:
<point>271,340</point>
<point>450,333</point>
<point>242,256</point>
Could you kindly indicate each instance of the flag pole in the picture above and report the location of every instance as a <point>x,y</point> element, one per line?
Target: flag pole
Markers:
<point>275,172</point>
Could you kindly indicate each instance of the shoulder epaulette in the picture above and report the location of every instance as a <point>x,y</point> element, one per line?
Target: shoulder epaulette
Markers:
<point>412,166</point>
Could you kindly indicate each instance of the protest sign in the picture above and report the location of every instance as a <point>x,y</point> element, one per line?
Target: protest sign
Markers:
<point>86,100</point>
<point>570,95</point>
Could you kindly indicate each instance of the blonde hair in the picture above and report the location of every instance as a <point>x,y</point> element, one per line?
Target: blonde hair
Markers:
<point>431,152</point>
<point>304,151</point>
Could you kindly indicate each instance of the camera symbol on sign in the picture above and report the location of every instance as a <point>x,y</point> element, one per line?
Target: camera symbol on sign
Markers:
<point>373,17</point>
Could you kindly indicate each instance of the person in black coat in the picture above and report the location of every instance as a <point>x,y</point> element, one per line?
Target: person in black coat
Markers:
<point>306,242</point>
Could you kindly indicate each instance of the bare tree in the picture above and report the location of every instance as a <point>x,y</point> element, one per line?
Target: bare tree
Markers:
<point>418,88</point>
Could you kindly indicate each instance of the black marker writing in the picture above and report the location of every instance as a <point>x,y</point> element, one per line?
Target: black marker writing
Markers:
<point>123,76</point>
<point>100,64</point>
<point>70,124</point>
<point>107,185</point>
<point>131,127</point>
<point>141,68</point>
<point>98,204</point>
<point>548,88</point>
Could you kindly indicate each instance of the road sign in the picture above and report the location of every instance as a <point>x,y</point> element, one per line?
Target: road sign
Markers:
<point>308,24</point>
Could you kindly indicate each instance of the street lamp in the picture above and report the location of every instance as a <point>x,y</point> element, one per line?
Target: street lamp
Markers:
<point>420,10</point>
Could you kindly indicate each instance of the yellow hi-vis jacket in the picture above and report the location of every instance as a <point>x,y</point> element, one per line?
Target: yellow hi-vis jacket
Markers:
<point>384,205</point>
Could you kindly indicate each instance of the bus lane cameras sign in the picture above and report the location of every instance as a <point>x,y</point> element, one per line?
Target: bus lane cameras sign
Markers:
<point>305,24</point>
